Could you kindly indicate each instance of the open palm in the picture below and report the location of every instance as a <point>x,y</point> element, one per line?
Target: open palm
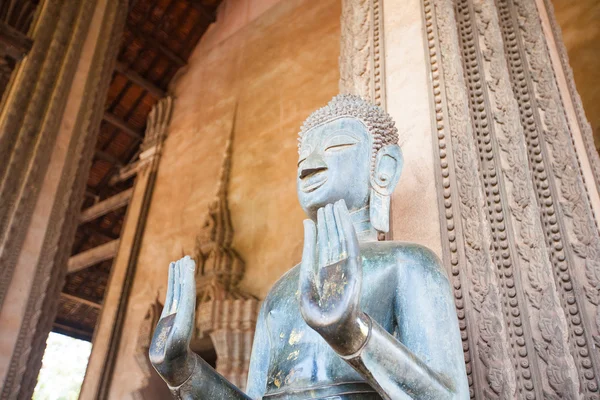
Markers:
<point>331,277</point>
<point>169,351</point>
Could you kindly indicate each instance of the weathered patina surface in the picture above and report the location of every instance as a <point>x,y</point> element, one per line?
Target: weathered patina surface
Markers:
<point>357,318</point>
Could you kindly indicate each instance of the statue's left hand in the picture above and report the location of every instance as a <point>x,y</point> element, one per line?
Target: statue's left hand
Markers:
<point>170,353</point>
<point>331,278</point>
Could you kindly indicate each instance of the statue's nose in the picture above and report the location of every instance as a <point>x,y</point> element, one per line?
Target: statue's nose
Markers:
<point>312,165</point>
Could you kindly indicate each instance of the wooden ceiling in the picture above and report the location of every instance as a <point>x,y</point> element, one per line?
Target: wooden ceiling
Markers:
<point>158,39</point>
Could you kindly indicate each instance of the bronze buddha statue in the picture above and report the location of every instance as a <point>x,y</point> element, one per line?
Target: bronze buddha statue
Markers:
<point>358,318</point>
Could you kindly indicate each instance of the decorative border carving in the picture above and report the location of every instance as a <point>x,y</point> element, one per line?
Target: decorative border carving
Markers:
<point>490,174</point>
<point>514,31</point>
<point>466,238</point>
<point>362,50</point>
<point>548,330</point>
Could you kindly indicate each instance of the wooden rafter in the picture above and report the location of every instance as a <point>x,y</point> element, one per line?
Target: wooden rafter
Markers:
<point>124,173</point>
<point>93,256</point>
<point>102,155</point>
<point>69,330</point>
<point>80,300</point>
<point>93,229</point>
<point>139,80</point>
<point>122,125</point>
<point>13,43</point>
<point>152,42</point>
<point>105,206</point>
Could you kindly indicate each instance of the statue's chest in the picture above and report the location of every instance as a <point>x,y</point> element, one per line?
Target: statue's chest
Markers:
<point>299,355</point>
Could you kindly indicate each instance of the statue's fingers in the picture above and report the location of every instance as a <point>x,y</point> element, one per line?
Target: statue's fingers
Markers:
<point>169,298</point>
<point>307,278</point>
<point>176,287</point>
<point>184,320</point>
<point>309,252</point>
<point>349,231</point>
<point>308,267</point>
<point>340,229</point>
<point>322,238</point>
<point>333,250</point>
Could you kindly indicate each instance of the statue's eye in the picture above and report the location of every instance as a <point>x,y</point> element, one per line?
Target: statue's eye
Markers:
<point>303,156</point>
<point>340,142</point>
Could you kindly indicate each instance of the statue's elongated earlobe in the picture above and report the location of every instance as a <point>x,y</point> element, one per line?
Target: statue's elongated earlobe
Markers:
<point>386,173</point>
<point>379,210</point>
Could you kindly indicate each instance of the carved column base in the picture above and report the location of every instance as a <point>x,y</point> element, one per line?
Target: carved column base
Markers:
<point>231,324</point>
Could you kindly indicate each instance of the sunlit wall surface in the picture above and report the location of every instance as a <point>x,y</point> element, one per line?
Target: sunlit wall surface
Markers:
<point>63,368</point>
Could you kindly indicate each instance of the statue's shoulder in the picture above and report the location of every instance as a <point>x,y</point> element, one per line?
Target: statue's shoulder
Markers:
<point>284,287</point>
<point>413,258</point>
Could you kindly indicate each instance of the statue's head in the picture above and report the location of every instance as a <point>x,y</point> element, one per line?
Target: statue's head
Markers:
<point>348,150</point>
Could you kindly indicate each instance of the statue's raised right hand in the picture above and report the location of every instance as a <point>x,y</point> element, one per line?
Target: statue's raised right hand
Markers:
<point>170,353</point>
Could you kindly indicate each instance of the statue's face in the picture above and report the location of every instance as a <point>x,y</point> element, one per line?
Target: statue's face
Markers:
<point>334,164</point>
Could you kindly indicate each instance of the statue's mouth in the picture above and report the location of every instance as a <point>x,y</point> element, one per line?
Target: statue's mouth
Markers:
<point>313,184</point>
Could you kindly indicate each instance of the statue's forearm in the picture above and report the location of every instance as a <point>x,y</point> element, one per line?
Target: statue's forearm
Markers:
<point>205,383</point>
<point>394,371</point>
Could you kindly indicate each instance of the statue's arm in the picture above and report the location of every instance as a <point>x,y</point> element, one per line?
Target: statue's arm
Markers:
<point>259,360</point>
<point>427,361</point>
<point>205,383</point>
<point>187,374</point>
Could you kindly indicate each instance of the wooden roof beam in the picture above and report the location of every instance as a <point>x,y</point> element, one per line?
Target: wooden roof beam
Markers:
<point>13,43</point>
<point>102,155</point>
<point>152,42</point>
<point>122,125</point>
<point>73,332</point>
<point>125,173</point>
<point>139,80</point>
<point>80,300</point>
<point>105,206</point>
<point>94,229</point>
<point>93,256</point>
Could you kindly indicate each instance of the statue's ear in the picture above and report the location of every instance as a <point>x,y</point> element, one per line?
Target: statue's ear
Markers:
<point>386,173</point>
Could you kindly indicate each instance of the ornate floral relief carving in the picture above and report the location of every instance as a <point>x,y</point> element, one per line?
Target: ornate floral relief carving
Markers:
<point>361,50</point>
<point>483,330</point>
<point>548,333</point>
<point>479,41</point>
<point>521,346</point>
<point>541,167</point>
<point>224,312</point>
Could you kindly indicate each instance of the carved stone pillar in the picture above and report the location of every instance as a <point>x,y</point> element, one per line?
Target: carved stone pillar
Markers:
<point>49,125</point>
<point>30,119</point>
<point>107,337</point>
<point>515,178</point>
<point>361,51</point>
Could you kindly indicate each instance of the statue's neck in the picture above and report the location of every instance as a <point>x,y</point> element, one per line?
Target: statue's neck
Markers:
<point>361,219</point>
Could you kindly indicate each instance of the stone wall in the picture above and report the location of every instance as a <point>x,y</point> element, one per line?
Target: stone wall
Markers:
<point>270,63</point>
